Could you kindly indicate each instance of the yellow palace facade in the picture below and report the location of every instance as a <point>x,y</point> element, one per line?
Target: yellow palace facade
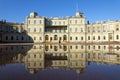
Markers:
<point>74,29</point>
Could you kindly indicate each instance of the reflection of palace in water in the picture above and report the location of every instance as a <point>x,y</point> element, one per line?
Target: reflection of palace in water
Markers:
<point>56,56</point>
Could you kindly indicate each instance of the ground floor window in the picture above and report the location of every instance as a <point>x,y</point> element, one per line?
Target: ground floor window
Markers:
<point>55,37</point>
<point>64,37</point>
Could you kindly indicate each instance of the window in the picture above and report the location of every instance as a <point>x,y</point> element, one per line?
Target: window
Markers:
<point>76,47</point>
<point>70,47</point>
<point>104,37</point>
<point>6,37</point>
<point>81,38</point>
<point>40,30</point>
<point>98,47</point>
<point>81,21</point>
<point>65,48</point>
<point>46,48</point>
<point>76,56</point>
<point>12,37</point>
<point>34,55</point>
<point>34,63</point>
<point>55,48</point>
<point>75,29</point>
<point>104,29</point>
<point>75,21</point>
<point>40,38</point>
<point>76,38</point>
<point>55,37</point>
<point>81,29</point>
<point>117,36</point>
<point>81,46</point>
<point>117,29</point>
<point>104,47</point>
<point>59,23</point>
<point>93,37</point>
<point>40,22</point>
<point>98,29</point>
<point>46,37</point>
<point>70,21</point>
<point>64,22</point>
<point>28,29</point>
<point>34,21</point>
<point>89,47</point>
<point>64,37</point>
<point>70,38</point>
<point>98,37</point>
<point>51,47</point>
<point>111,27</point>
<point>34,29</point>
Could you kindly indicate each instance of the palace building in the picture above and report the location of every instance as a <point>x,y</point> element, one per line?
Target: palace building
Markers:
<point>40,29</point>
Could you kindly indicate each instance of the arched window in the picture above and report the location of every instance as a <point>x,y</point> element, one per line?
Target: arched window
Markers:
<point>46,37</point>
<point>55,37</point>
<point>64,37</point>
